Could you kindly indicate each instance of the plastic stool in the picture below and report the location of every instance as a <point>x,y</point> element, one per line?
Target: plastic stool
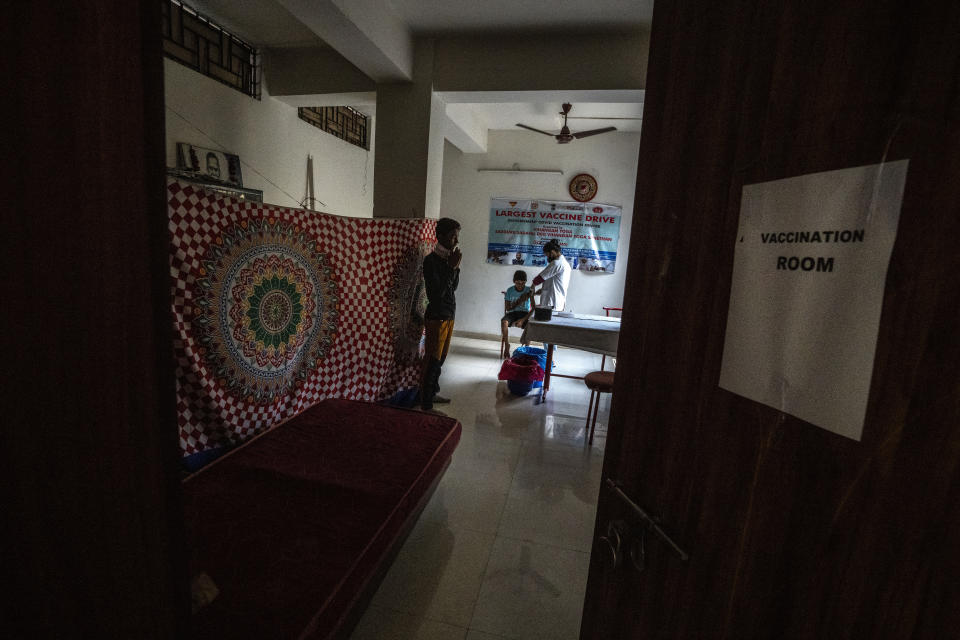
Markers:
<point>598,382</point>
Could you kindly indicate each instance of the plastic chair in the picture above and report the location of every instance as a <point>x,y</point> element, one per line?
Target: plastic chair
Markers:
<point>512,325</point>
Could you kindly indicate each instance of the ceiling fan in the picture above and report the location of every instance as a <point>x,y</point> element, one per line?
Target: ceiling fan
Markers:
<point>565,136</point>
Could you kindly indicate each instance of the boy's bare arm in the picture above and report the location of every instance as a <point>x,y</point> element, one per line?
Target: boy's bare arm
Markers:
<point>510,306</point>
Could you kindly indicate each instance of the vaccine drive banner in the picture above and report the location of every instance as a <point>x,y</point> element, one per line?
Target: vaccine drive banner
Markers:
<point>587,232</point>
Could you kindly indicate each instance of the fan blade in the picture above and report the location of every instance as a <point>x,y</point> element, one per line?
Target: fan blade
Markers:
<point>593,132</point>
<point>537,130</point>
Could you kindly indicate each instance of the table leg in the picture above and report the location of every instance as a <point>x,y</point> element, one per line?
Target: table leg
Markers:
<point>546,375</point>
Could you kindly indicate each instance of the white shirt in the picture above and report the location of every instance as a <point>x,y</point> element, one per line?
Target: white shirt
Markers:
<point>556,279</point>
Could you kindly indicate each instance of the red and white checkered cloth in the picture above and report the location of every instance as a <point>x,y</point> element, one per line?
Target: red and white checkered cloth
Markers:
<point>360,364</point>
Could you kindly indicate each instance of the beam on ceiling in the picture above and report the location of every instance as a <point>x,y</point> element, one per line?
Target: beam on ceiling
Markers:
<point>464,129</point>
<point>311,71</point>
<point>628,96</point>
<point>368,33</point>
<point>604,62</point>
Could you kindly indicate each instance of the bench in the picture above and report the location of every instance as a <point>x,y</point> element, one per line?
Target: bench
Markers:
<point>297,527</point>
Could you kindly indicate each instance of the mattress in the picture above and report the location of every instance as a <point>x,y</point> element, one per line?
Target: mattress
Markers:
<point>293,526</point>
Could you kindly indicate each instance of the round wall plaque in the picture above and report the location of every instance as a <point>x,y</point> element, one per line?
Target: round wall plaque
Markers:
<point>583,187</point>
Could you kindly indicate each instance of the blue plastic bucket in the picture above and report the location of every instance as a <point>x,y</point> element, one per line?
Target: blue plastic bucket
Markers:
<point>534,352</point>
<point>521,388</point>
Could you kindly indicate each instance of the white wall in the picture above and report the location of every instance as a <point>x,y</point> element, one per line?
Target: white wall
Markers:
<point>610,158</point>
<point>270,139</point>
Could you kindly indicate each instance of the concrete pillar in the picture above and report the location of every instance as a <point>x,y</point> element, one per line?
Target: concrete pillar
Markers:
<point>408,159</point>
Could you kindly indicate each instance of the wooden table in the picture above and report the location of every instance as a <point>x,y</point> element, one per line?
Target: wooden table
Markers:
<point>596,334</point>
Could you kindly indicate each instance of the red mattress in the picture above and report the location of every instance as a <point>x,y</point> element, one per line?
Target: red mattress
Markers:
<point>293,526</point>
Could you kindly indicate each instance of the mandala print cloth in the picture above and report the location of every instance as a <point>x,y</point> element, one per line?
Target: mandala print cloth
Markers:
<point>277,308</point>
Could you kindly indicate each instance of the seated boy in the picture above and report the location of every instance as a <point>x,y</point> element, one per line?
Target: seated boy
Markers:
<point>517,309</point>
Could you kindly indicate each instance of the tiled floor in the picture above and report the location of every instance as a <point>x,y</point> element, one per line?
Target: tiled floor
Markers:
<point>502,549</point>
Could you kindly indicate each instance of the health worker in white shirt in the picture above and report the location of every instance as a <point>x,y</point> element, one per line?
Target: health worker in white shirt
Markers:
<point>555,278</point>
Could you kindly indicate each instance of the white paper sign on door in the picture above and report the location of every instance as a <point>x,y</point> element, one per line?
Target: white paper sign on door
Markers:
<point>808,278</point>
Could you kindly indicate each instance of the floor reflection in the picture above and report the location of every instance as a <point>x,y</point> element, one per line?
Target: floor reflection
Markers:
<point>502,549</point>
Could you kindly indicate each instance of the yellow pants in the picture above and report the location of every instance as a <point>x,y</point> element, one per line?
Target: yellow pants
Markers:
<point>439,333</point>
<point>438,337</point>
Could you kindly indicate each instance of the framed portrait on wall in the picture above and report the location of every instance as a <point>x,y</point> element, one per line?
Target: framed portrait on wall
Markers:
<point>209,164</point>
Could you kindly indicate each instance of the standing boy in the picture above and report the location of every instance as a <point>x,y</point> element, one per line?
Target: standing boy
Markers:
<point>441,275</point>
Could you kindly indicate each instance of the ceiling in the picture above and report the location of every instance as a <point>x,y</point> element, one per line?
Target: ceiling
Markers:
<point>546,116</point>
<point>298,23</point>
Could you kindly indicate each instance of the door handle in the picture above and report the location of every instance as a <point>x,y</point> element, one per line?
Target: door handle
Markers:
<point>645,518</point>
<point>610,544</point>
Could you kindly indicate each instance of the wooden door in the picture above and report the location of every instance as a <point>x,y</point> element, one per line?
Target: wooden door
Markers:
<point>91,519</point>
<point>792,531</point>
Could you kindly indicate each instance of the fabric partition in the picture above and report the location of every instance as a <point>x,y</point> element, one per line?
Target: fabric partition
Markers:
<point>277,308</point>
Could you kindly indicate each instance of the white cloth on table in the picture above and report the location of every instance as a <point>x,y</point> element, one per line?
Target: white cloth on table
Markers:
<point>597,334</point>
